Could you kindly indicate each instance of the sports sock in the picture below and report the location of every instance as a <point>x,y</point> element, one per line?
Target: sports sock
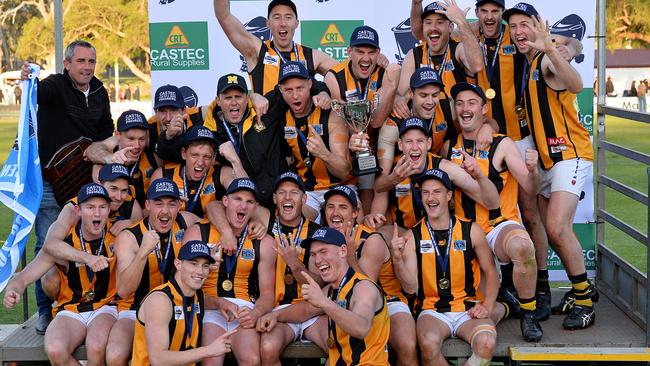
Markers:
<point>581,289</point>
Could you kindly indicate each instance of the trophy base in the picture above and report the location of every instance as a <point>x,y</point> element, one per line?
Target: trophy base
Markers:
<point>364,165</point>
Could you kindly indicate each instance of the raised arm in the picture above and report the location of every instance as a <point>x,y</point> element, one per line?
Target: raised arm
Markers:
<point>416,19</point>
<point>337,159</point>
<point>386,93</point>
<point>247,44</point>
<point>469,51</point>
<point>404,260</point>
<point>525,172</point>
<point>476,185</point>
<point>131,260</point>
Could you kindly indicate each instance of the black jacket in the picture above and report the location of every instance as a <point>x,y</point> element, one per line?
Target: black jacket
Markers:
<point>64,115</point>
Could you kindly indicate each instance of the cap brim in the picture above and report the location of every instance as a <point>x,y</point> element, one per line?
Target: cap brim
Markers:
<point>107,198</point>
<point>244,189</point>
<point>225,89</point>
<point>116,177</point>
<point>168,104</point>
<point>425,83</point>
<point>363,43</point>
<point>456,89</point>
<point>288,179</point>
<point>163,195</point>
<point>429,12</point>
<point>208,257</point>
<point>402,132</point>
<point>508,13</point>
<point>333,192</point>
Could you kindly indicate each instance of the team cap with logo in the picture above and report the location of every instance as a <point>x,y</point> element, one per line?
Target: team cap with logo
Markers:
<point>231,81</point>
<point>163,187</point>
<point>91,190</point>
<point>195,249</point>
<point>168,96</point>
<point>131,119</point>
<point>364,36</point>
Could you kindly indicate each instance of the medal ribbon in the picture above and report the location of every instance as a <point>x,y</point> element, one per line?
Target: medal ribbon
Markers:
<point>232,138</point>
<point>334,295</point>
<point>162,261</point>
<point>189,318</point>
<point>190,204</point>
<point>276,229</point>
<point>295,51</point>
<point>489,68</point>
<point>231,260</point>
<point>89,272</point>
<point>443,64</point>
<point>524,78</point>
<point>442,262</point>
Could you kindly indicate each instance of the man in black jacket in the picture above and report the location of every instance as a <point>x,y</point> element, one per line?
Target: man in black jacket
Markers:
<point>70,105</point>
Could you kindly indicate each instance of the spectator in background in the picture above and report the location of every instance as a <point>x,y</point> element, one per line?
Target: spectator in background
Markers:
<point>609,87</point>
<point>640,94</point>
<point>18,92</point>
<point>136,93</point>
<point>633,91</point>
<point>127,92</point>
<point>111,93</point>
<point>2,96</point>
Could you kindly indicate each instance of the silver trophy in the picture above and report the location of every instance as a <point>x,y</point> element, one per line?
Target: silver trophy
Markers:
<point>357,116</point>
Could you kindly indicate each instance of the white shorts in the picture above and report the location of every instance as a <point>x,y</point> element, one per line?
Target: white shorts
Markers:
<point>87,317</point>
<point>524,144</point>
<point>494,234</point>
<point>298,328</point>
<point>567,175</point>
<point>126,314</point>
<point>396,307</point>
<point>453,319</point>
<point>215,317</point>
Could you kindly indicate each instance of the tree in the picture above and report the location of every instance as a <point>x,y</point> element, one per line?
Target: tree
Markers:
<point>117,28</point>
<point>627,24</point>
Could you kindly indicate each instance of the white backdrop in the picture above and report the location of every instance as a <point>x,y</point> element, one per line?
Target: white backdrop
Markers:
<point>189,49</point>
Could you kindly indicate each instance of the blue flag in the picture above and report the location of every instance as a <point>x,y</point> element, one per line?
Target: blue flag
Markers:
<point>21,184</point>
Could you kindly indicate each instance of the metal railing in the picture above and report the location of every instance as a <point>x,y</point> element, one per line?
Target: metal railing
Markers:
<point>624,284</point>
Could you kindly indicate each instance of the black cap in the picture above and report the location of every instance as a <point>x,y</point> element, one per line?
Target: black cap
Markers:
<point>364,36</point>
<point>437,174</point>
<point>325,235</point>
<point>459,87</point>
<point>431,9</point>
<point>520,8</point>
<point>111,172</point>
<point>91,190</point>
<point>163,187</point>
<point>412,123</point>
<point>242,184</point>
<point>198,133</point>
<point>231,81</point>
<point>289,177</point>
<point>424,76</point>
<point>195,249</point>
<point>168,96</point>
<point>288,3</point>
<point>501,3</point>
<point>131,119</point>
<point>293,69</point>
<point>344,191</point>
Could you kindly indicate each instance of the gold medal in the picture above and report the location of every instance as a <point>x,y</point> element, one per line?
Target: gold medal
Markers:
<point>289,279</point>
<point>90,295</point>
<point>259,126</point>
<point>226,285</point>
<point>443,283</point>
<point>490,93</point>
<point>521,112</point>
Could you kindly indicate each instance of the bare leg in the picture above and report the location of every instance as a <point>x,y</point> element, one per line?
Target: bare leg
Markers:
<point>120,342</point>
<point>431,334</point>
<point>62,337</point>
<point>403,339</point>
<point>97,337</point>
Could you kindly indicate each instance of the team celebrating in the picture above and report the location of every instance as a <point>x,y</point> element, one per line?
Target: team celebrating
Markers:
<point>244,225</point>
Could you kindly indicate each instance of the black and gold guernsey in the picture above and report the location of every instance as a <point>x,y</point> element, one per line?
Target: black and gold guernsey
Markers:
<point>152,275</point>
<point>345,350</point>
<point>123,213</point>
<point>182,335</point>
<point>554,120</point>
<point>141,172</point>
<point>452,72</point>
<point>210,187</point>
<point>78,281</point>
<point>404,199</point>
<point>312,170</point>
<point>241,282</point>
<point>462,272</point>
<point>387,279</point>
<point>505,79</point>
<point>287,289</point>
<point>506,184</point>
<point>264,77</point>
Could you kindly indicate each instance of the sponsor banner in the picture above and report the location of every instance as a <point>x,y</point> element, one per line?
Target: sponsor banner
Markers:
<point>586,234</point>
<point>179,46</point>
<point>329,36</point>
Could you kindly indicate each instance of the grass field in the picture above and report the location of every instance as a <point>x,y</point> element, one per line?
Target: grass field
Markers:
<point>631,134</point>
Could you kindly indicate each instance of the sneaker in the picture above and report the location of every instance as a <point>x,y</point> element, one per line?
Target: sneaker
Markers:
<point>569,299</point>
<point>42,323</point>
<point>530,328</point>
<point>508,299</point>
<point>580,317</point>
<point>543,310</point>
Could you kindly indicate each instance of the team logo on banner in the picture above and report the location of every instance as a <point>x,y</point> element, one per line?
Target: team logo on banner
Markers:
<point>331,37</point>
<point>404,39</point>
<point>179,46</point>
<point>571,26</point>
<point>165,2</point>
